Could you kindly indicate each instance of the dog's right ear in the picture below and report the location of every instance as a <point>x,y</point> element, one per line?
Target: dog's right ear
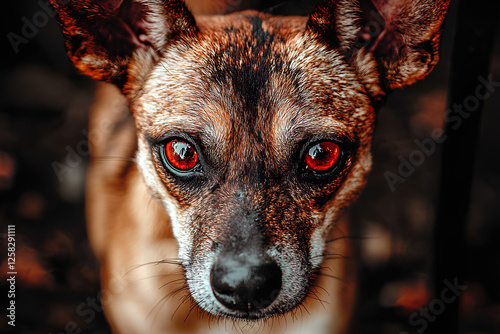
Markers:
<point>106,39</point>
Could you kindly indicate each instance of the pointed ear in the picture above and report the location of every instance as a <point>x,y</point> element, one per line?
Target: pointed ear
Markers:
<point>119,40</point>
<point>401,35</point>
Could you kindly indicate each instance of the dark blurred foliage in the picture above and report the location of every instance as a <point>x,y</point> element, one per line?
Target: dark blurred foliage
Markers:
<point>43,119</point>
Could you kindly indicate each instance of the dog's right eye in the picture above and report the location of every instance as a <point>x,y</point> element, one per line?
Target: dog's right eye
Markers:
<point>181,155</point>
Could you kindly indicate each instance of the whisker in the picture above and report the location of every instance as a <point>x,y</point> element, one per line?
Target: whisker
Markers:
<point>332,256</point>
<point>136,281</point>
<point>348,237</point>
<point>305,309</point>
<point>175,261</point>
<point>337,257</point>
<point>190,310</point>
<point>331,276</point>
<point>324,267</point>
<point>183,299</point>
<point>316,297</point>
<point>316,286</point>
<point>156,309</point>
<point>293,313</point>
<point>174,293</point>
<point>174,281</point>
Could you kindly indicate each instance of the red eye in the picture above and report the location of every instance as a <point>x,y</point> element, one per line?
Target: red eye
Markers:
<point>181,155</point>
<point>322,156</point>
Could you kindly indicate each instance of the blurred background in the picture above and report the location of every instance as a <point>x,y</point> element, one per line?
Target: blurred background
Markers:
<point>44,105</point>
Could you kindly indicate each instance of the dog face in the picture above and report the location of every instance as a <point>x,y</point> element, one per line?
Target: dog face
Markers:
<point>252,202</point>
<point>253,131</point>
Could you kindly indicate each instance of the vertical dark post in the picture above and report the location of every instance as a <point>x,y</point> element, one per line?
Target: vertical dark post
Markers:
<point>475,29</point>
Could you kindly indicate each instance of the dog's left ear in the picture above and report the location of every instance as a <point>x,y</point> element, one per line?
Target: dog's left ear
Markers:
<point>119,40</point>
<point>402,36</point>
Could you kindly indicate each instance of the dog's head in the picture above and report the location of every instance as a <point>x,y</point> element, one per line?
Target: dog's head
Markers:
<point>254,131</point>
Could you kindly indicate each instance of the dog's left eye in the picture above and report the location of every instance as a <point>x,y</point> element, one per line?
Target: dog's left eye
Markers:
<point>181,155</point>
<point>322,157</point>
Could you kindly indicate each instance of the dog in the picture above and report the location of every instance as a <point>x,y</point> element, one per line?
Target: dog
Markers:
<point>215,204</point>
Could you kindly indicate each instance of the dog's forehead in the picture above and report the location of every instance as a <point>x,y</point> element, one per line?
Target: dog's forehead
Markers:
<point>252,72</point>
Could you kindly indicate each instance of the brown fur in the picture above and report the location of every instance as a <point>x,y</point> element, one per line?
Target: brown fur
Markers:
<point>251,92</point>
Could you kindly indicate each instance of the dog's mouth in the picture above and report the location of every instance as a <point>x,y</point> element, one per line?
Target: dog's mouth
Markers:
<point>248,286</point>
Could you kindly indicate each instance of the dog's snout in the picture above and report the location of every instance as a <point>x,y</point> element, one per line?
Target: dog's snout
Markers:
<point>245,282</point>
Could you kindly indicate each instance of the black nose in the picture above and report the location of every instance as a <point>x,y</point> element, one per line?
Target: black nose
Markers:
<point>245,282</point>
